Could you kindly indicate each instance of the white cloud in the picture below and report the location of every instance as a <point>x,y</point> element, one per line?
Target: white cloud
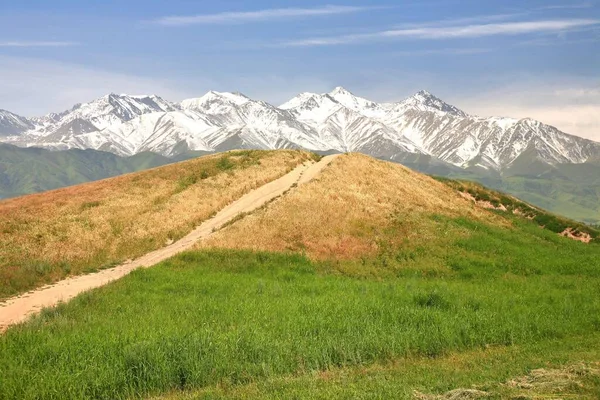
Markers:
<point>37,44</point>
<point>32,86</point>
<point>571,105</point>
<point>479,19</point>
<point>451,32</point>
<point>577,120</point>
<point>457,51</point>
<point>567,6</point>
<point>254,16</point>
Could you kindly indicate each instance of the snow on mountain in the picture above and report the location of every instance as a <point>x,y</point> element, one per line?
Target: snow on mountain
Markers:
<point>363,106</point>
<point>167,133</point>
<point>314,107</point>
<point>311,108</point>
<point>13,124</point>
<point>215,102</point>
<point>82,126</point>
<point>487,142</point>
<point>250,123</point>
<point>346,123</point>
<point>348,130</point>
<point>113,108</point>
<point>338,120</point>
<point>425,101</point>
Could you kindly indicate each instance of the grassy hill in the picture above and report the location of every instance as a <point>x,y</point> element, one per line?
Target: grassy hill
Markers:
<point>371,281</point>
<point>45,237</point>
<point>571,190</point>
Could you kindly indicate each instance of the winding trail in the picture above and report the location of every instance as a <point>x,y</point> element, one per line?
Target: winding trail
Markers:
<point>19,308</point>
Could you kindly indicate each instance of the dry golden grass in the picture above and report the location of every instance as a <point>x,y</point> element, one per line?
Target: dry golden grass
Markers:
<point>349,212</point>
<point>44,237</point>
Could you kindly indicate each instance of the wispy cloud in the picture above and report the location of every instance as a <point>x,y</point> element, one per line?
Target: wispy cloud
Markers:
<point>37,44</point>
<point>255,16</point>
<point>553,41</point>
<point>452,51</point>
<point>567,6</point>
<point>451,32</point>
<point>478,19</point>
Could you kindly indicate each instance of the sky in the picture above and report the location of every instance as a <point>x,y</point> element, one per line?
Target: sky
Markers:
<point>526,58</point>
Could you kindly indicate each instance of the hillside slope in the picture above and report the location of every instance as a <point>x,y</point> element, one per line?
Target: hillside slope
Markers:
<point>47,236</point>
<point>568,189</point>
<point>348,210</point>
<point>370,208</point>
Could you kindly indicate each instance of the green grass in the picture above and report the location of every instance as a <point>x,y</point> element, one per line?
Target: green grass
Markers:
<point>484,369</point>
<point>227,318</point>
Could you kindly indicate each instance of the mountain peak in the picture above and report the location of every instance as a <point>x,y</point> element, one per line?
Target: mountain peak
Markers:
<point>13,124</point>
<point>424,93</point>
<point>215,102</point>
<point>425,101</point>
<point>233,97</point>
<point>339,90</point>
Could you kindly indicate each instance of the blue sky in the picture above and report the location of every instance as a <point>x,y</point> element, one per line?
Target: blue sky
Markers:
<point>537,59</point>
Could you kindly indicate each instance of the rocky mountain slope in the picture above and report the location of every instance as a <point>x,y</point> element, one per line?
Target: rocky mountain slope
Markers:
<point>13,124</point>
<point>337,121</point>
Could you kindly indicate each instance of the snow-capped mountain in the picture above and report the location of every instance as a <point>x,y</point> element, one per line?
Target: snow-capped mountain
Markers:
<point>13,124</point>
<point>347,123</point>
<point>334,121</point>
<point>107,111</point>
<point>464,140</point>
<point>425,101</point>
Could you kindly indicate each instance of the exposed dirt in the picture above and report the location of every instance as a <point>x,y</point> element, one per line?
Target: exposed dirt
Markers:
<point>575,235</point>
<point>570,233</point>
<point>482,203</point>
<point>456,394</point>
<point>18,308</point>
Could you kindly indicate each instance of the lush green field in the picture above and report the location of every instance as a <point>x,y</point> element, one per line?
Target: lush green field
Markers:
<point>569,371</point>
<point>239,320</point>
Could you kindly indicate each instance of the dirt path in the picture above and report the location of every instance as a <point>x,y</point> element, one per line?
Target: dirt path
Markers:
<point>18,308</point>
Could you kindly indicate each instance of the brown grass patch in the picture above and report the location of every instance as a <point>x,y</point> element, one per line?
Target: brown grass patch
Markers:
<point>574,381</point>
<point>44,237</point>
<point>569,381</point>
<point>356,207</point>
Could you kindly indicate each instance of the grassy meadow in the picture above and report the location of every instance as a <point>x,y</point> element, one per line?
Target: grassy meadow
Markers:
<point>230,321</point>
<point>568,371</point>
<point>371,281</point>
<point>45,237</point>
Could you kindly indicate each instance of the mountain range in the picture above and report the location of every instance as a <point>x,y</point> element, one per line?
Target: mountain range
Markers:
<point>336,121</point>
<point>532,160</point>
